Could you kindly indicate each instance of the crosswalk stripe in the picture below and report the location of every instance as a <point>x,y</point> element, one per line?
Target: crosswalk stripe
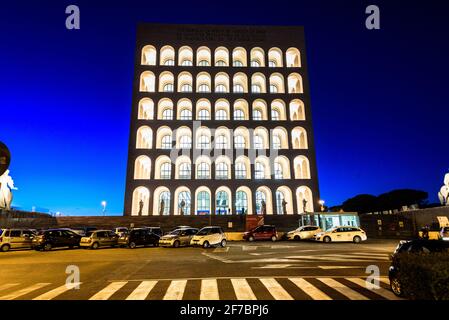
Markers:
<point>380,291</point>
<point>176,290</point>
<point>344,290</point>
<point>243,290</point>
<point>310,289</point>
<point>58,291</point>
<point>8,285</point>
<point>209,290</point>
<point>107,292</point>
<point>142,291</point>
<point>21,292</point>
<point>385,280</point>
<point>357,256</point>
<point>275,289</point>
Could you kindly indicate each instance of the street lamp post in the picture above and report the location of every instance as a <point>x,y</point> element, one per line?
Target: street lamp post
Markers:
<point>321,202</point>
<point>104,203</point>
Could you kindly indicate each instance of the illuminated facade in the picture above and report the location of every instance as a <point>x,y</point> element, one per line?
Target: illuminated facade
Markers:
<point>221,122</point>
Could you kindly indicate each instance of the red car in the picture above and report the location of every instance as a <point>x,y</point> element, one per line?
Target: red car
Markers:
<point>261,233</point>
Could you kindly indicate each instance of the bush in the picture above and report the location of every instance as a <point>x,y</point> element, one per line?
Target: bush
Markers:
<point>424,276</point>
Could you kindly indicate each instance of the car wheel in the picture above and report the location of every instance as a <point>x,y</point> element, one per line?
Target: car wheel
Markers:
<point>327,239</point>
<point>94,245</point>
<point>251,239</point>
<point>274,238</point>
<point>176,244</point>
<point>223,243</point>
<point>396,287</point>
<point>132,245</point>
<point>156,244</point>
<point>206,244</point>
<point>5,247</point>
<point>297,238</point>
<point>357,239</point>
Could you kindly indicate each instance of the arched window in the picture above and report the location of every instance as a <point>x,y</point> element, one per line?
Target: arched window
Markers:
<point>241,202</point>
<point>221,171</point>
<point>186,114</point>
<point>258,83</point>
<point>203,142</point>
<point>203,63</point>
<point>297,110</point>
<point>259,171</point>
<point>203,171</point>
<point>203,114</point>
<point>275,57</point>
<point>239,57</point>
<point>258,142</point>
<point>220,88</point>
<point>203,82</point>
<point>239,115</point>
<point>239,142</point>
<point>238,88</point>
<point>221,57</point>
<point>221,115</point>
<point>293,58</point>
<point>166,82</point>
<point>146,109</point>
<point>255,88</point>
<point>222,203</point>
<point>203,202</point>
<point>164,203</point>
<point>261,197</point>
<point>275,115</point>
<point>166,170</point>
<point>277,83</point>
<point>277,142</point>
<point>295,83</point>
<point>148,56</point>
<point>222,82</point>
<point>184,203</point>
<point>273,88</point>
<point>167,56</point>
<point>186,88</point>
<point>185,171</point>
<point>302,167</point>
<point>240,171</point>
<point>240,83</point>
<point>166,142</point>
<point>204,88</point>
<point>167,114</point>
<point>185,56</point>
<point>141,196</point>
<point>185,142</point>
<point>147,82</point>
<point>279,202</point>
<point>144,139</point>
<point>257,115</point>
<point>142,168</point>
<point>304,199</point>
<point>278,110</point>
<point>278,173</point>
<point>221,142</point>
<point>257,57</point>
<point>299,138</point>
<point>168,87</point>
<point>203,57</point>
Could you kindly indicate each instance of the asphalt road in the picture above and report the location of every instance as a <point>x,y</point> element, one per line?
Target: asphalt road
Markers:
<point>262,270</point>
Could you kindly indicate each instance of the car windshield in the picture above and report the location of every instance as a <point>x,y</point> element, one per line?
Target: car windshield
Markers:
<point>204,232</point>
<point>1,231</point>
<point>175,232</point>
<point>88,234</point>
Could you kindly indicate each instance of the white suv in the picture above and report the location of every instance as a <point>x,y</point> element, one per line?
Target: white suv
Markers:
<point>209,236</point>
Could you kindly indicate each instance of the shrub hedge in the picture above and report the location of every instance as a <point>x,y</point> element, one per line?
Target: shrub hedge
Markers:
<point>424,276</point>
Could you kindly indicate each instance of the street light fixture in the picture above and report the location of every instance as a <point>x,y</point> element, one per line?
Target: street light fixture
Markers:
<point>321,202</point>
<point>104,203</point>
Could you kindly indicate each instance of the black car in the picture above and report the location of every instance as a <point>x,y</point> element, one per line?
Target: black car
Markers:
<point>55,238</point>
<point>155,230</point>
<point>139,237</point>
<point>415,247</point>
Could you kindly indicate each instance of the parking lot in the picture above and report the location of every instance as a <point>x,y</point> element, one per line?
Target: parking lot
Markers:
<point>257,270</point>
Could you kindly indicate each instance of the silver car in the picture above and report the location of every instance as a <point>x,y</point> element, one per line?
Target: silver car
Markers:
<point>15,239</point>
<point>178,238</point>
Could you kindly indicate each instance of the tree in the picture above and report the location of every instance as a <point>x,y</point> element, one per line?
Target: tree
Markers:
<point>401,197</point>
<point>361,203</point>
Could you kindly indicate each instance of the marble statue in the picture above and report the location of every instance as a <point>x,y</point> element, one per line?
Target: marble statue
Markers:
<point>443,195</point>
<point>304,205</point>
<point>141,204</point>
<point>6,187</point>
<point>264,207</point>
<point>284,206</point>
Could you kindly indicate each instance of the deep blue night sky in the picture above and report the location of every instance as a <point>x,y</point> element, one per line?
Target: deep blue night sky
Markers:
<point>379,98</point>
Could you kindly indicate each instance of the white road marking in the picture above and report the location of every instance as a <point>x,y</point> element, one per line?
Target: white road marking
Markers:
<point>142,291</point>
<point>274,266</point>
<point>243,290</point>
<point>344,290</point>
<point>209,290</point>
<point>107,292</point>
<point>22,292</point>
<point>343,256</point>
<point>275,289</point>
<point>219,250</point>
<point>176,290</point>
<point>58,291</point>
<point>310,289</point>
<point>249,248</point>
<point>8,285</point>
<point>380,291</point>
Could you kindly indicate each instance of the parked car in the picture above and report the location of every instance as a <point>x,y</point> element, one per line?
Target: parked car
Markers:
<point>444,233</point>
<point>209,236</point>
<point>55,238</point>
<point>16,239</point>
<point>263,232</point>
<point>342,234</point>
<point>155,230</point>
<point>139,237</point>
<point>99,238</point>
<point>303,233</point>
<point>120,231</point>
<point>412,246</point>
<point>178,238</point>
